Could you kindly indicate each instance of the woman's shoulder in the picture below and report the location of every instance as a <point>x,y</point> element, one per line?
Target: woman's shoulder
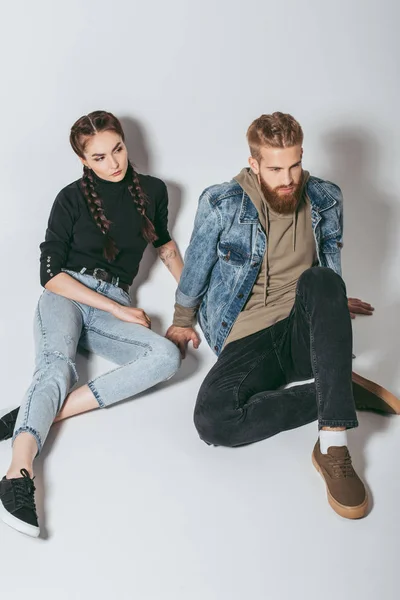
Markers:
<point>72,189</point>
<point>152,186</point>
<point>70,194</point>
<point>69,199</point>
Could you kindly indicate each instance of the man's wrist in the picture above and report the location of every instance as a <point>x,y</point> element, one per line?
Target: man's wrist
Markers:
<point>182,325</point>
<point>183,316</point>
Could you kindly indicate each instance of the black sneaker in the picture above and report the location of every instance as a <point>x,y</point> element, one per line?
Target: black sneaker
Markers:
<point>17,504</point>
<point>7,424</point>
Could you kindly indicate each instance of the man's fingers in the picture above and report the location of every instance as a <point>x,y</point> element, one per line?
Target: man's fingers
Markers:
<point>356,312</point>
<point>182,348</point>
<point>365,305</point>
<point>357,302</point>
<point>195,341</point>
<point>361,310</point>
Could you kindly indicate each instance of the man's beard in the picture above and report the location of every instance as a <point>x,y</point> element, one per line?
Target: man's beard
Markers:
<point>283,204</point>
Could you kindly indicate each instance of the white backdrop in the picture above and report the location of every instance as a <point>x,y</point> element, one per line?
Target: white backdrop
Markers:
<point>187,78</point>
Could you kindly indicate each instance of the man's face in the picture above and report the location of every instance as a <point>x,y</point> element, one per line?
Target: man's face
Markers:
<point>279,173</point>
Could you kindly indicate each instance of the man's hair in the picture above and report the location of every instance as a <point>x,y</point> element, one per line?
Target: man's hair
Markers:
<point>278,130</point>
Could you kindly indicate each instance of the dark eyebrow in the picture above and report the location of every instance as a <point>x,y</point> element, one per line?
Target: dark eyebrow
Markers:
<point>113,150</point>
<point>291,166</point>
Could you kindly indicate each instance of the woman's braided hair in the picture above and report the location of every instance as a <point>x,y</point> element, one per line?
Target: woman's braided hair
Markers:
<point>81,131</point>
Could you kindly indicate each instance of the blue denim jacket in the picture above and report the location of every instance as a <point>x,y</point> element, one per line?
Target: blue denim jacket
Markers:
<point>227,247</point>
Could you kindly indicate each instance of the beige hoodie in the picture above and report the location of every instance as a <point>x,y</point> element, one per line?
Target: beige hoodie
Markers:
<point>290,250</point>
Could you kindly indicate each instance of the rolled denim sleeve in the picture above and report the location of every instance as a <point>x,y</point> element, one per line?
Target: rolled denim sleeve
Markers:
<point>340,200</point>
<point>201,254</point>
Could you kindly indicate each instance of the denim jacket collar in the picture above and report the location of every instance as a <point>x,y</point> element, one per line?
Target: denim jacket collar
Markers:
<point>320,200</point>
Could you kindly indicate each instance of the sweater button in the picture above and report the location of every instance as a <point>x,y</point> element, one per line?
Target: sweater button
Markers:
<point>216,348</point>
<point>240,295</point>
<point>224,324</point>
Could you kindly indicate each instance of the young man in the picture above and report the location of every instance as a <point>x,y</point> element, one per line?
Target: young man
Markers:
<point>263,274</point>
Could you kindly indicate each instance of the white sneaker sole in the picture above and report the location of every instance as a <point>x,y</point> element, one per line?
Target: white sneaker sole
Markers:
<point>17,524</point>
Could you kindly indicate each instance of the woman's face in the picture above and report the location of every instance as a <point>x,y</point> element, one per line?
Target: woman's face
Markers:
<point>106,155</point>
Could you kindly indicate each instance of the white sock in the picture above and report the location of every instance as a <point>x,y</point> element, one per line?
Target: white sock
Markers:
<point>329,438</point>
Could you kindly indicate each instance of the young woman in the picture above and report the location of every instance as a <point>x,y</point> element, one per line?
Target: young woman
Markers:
<point>98,229</point>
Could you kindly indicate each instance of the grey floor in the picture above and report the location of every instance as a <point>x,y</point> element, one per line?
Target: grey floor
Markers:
<point>134,505</point>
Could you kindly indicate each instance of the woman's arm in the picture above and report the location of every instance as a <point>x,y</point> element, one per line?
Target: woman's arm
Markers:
<point>65,285</point>
<point>170,256</point>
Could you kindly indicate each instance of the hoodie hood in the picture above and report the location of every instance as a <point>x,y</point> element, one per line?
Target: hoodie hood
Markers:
<point>248,181</point>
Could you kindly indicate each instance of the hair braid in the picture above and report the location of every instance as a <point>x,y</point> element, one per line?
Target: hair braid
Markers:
<point>141,201</point>
<point>95,205</point>
<point>84,129</point>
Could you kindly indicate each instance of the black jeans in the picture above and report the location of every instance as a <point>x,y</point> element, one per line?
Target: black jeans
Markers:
<point>240,401</point>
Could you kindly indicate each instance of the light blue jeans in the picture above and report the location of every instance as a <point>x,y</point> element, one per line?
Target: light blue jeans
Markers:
<point>60,325</point>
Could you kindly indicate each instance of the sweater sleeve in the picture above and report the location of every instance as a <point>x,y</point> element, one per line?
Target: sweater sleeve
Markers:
<point>55,248</point>
<point>184,317</point>
<point>161,218</point>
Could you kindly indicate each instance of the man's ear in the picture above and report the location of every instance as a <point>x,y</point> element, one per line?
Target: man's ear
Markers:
<point>254,166</point>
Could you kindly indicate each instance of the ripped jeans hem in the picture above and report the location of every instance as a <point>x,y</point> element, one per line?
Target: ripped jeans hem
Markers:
<point>96,394</point>
<point>33,432</point>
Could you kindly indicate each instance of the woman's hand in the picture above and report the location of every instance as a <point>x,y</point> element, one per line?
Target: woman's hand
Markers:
<point>131,315</point>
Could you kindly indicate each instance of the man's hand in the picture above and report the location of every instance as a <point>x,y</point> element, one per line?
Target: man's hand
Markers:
<point>358,307</point>
<point>181,336</point>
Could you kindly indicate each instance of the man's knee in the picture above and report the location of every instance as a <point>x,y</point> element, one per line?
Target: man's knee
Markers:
<point>214,424</point>
<point>321,279</point>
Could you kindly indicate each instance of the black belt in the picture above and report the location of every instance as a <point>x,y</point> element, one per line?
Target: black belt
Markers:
<point>103,275</point>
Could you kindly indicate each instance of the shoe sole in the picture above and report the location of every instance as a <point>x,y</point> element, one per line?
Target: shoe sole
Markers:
<point>17,524</point>
<point>348,512</point>
<point>375,396</point>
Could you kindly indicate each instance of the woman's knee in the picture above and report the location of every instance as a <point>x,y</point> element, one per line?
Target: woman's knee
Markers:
<point>167,356</point>
<point>55,368</point>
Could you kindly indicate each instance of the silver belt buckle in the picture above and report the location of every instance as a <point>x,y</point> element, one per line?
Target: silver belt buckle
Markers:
<point>98,273</point>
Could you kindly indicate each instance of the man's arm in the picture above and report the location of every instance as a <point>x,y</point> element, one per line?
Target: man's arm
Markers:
<point>201,254</point>
<point>200,258</point>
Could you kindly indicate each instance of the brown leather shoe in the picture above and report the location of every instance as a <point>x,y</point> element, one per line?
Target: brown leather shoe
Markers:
<point>346,492</point>
<point>369,395</point>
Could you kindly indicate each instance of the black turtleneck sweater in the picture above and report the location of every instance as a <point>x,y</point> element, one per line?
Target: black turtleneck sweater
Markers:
<point>73,240</point>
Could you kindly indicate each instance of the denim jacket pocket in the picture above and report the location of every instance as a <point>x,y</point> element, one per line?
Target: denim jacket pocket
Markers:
<point>332,245</point>
<point>232,255</point>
